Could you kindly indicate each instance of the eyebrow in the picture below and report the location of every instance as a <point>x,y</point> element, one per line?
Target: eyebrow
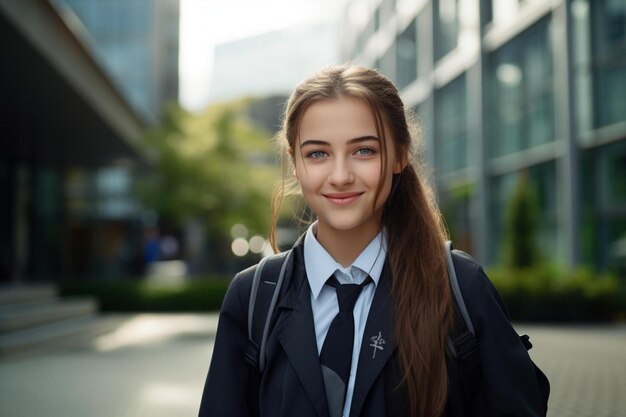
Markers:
<point>350,142</point>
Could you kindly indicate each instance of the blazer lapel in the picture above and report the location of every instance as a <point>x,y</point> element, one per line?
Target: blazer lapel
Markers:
<point>296,334</point>
<point>378,342</point>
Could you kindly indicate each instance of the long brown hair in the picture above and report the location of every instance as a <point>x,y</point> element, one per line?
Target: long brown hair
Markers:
<point>422,302</point>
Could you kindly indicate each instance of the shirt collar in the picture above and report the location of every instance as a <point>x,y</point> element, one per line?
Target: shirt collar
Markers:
<point>320,265</point>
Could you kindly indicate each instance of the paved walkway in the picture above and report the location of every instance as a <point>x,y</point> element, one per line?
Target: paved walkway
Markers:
<point>586,366</point>
<point>150,366</point>
<point>155,365</point>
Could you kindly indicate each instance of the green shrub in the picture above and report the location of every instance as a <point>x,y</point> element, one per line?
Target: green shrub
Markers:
<point>531,294</point>
<point>199,295</point>
<point>522,225</point>
<point>544,293</point>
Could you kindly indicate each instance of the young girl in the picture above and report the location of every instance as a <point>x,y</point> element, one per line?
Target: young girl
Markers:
<point>364,314</point>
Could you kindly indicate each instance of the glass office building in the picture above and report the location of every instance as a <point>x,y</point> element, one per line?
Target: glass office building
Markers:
<point>136,42</point>
<point>70,145</point>
<point>509,87</point>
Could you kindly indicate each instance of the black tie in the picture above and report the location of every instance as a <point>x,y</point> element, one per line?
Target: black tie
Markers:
<point>336,355</point>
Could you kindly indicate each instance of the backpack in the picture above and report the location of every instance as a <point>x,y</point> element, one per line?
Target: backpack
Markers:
<point>461,345</point>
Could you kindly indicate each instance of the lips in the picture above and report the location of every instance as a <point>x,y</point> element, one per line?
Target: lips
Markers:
<point>343,198</point>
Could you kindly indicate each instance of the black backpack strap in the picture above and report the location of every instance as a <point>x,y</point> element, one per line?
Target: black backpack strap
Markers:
<point>463,345</point>
<point>462,336</point>
<point>462,342</point>
<point>266,285</point>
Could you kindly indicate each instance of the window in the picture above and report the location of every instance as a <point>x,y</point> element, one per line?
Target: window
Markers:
<point>520,102</point>
<point>451,126</point>
<point>486,12</point>
<point>603,202</point>
<point>542,180</point>
<point>406,63</point>
<point>386,63</point>
<point>456,210</point>
<point>46,217</point>
<point>376,19</point>
<point>608,20</point>
<point>617,179</point>
<point>446,16</point>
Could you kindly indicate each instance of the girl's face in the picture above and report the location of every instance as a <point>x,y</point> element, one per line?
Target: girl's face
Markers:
<point>338,165</point>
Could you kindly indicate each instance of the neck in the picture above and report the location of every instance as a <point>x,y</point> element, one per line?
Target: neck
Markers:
<point>345,245</point>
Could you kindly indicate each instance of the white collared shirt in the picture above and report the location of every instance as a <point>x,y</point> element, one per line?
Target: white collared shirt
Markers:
<point>320,265</point>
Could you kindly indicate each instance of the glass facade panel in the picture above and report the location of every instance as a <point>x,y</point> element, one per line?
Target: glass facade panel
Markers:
<point>603,207</point>
<point>608,19</point>
<point>387,63</point>
<point>604,202</point>
<point>501,189</point>
<point>446,14</point>
<point>47,230</point>
<point>406,62</point>
<point>451,126</point>
<point>616,208</point>
<point>617,179</point>
<point>457,214</point>
<point>114,187</point>
<point>486,12</point>
<point>543,180</point>
<point>588,230</point>
<point>616,262</point>
<point>520,102</point>
<point>123,33</point>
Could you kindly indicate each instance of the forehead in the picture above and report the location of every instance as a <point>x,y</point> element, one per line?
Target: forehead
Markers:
<point>337,117</point>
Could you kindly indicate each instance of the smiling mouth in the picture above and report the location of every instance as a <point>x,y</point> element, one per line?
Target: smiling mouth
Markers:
<point>342,198</point>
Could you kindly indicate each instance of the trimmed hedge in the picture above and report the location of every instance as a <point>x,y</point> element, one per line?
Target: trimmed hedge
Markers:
<point>199,295</point>
<point>532,294</point>
<point>546,294</point>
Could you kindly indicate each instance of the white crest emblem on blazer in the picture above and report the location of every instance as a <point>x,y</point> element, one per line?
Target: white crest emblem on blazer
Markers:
<point>377,343</point>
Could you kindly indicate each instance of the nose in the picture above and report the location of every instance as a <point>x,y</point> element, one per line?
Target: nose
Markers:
<point>341,173</point>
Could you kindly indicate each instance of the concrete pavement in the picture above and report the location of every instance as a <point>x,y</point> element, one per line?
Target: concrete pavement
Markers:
<point>154,365</point>
<point>586,366</point>
<point>150,365</point>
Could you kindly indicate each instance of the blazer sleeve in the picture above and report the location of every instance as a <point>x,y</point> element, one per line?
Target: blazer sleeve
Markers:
<point>230,383</point>
<point>509,383</point>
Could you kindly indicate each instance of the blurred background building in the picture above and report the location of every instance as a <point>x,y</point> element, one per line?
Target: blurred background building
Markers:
<point>81,81</point>
<point>502,88</point>
<point>273,62</point>
<point>136,42</point>
<point>505,87</point>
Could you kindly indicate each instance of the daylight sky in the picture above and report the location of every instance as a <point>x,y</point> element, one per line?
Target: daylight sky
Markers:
<point>206,23</point>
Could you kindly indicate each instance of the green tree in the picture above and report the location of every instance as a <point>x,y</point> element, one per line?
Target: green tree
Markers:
<point>215,166</point>
<point>521,225</point>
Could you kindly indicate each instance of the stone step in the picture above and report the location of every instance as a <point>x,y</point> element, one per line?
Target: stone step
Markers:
<point>69,333</point>
<point>28,314</point>
<point>23,293</point>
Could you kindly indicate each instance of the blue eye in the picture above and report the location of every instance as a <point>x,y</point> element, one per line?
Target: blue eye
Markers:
<point>365,151</point>
<point>317,154</point>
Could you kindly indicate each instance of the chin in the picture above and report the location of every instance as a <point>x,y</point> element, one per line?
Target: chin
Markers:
<point>345,226</point>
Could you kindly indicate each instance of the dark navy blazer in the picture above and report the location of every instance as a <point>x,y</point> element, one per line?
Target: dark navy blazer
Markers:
<point>292,383</point>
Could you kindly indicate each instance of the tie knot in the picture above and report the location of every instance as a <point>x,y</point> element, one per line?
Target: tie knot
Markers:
<point>347,294</point>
